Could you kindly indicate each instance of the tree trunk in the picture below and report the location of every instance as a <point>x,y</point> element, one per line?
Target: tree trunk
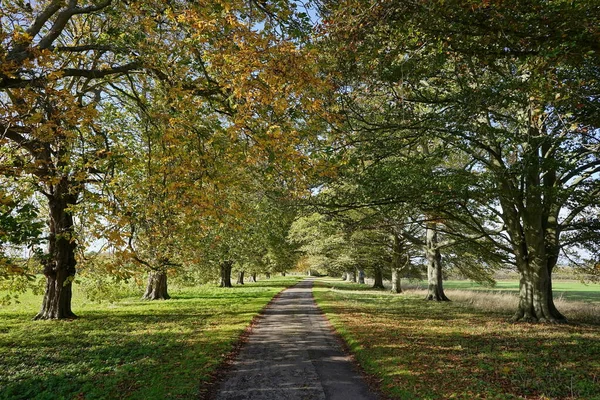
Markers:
<point>226,274</point>
<point>396,280</point>
<point>434,265</point>
<point>397,266</point>
<point>240,279</point>
<point>534,229</point>
<point>59,264</point>
<point>344,276</point>
<point>308,272</point>
<point>350,276</point>
<point>536,303</point>
<point>254,277</point>
<point>378,278</point>
<point>157,286</point>
<point>268,275</point>
<point>283,274</point>
<point>361,276</point>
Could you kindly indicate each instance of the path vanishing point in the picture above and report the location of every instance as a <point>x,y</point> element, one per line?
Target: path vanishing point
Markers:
<point>292,354</point>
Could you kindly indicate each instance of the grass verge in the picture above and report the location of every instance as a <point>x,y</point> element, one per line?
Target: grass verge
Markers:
<point>427,350</point>
<point>131,349</point>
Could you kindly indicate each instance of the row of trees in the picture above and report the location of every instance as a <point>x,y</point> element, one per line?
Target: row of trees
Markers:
<point>177,133</point>
<point>148,126</point>
<point>482,117</point>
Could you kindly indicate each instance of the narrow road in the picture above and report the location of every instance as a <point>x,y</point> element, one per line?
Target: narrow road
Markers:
<point>292,354</point>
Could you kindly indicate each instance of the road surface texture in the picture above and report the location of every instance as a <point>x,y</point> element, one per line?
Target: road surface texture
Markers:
<point>292,354</point>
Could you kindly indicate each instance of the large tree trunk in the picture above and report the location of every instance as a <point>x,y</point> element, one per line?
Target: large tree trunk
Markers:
<point>434,265</point>
<point>536,302</point>
<point>361,276</point>
<point>378,278</point>
<point>226,274</point>
<point>533,229</point>
<point>240,279</point>
<point>59,264</point>
<point>156,289</point>
<point>396,280</point>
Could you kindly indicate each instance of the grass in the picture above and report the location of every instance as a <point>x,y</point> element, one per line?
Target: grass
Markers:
<point>131,349</point>
<point>428,350</point>
<point>570,290</point>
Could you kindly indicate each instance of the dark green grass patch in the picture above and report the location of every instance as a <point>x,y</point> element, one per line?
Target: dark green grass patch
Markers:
<point>130,349</point>
<point>428,350</point>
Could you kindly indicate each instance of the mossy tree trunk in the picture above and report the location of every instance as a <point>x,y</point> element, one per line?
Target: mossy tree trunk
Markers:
<point>59,264</point>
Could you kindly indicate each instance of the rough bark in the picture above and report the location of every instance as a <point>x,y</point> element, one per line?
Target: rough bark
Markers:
<point>226,274</point>
<point>156,289</point>
<point>378,278</point>
<point>59,264</point>
<point>240,278</point>
<point>361,276</point>
<point>434,265</point>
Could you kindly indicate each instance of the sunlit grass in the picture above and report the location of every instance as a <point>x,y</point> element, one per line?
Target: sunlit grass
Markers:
<point>129,349</point>
<point>428,350</point>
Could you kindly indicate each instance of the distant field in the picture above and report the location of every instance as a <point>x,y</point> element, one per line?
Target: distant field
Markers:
<point>129,349</point>
<point>569,290</point>
<point>417,349</point>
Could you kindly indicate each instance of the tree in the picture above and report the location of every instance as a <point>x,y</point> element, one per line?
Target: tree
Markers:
<point>508,87</point>
<point>63,64</point>
<point>51,77</point>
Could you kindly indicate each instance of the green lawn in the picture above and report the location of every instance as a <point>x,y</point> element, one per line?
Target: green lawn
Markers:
<point>130,349</point>
<point>570,290</point>
<point>419,349</point>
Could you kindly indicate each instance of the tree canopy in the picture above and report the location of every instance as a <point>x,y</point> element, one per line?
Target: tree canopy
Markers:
<point>393,137</point>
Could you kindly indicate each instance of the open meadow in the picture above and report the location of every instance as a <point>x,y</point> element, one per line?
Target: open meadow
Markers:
<point>128,349</point>
<point>466,348</point>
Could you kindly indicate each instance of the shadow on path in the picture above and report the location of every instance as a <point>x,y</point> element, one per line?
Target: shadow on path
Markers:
<point>292,354</point>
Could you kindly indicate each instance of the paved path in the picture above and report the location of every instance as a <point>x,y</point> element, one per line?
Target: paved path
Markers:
<point>292,354</point>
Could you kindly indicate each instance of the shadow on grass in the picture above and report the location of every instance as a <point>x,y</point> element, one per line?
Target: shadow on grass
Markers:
<point>132,349</point>
<point>441,350</point>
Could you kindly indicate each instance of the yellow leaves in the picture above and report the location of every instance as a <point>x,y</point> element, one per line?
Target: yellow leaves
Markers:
<point>21,37</point>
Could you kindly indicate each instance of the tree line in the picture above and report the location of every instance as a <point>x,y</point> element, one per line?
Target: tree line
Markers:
<point>190,138</point>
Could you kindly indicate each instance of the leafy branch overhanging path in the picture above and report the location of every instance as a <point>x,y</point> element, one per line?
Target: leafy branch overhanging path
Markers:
<point>292,354</point>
